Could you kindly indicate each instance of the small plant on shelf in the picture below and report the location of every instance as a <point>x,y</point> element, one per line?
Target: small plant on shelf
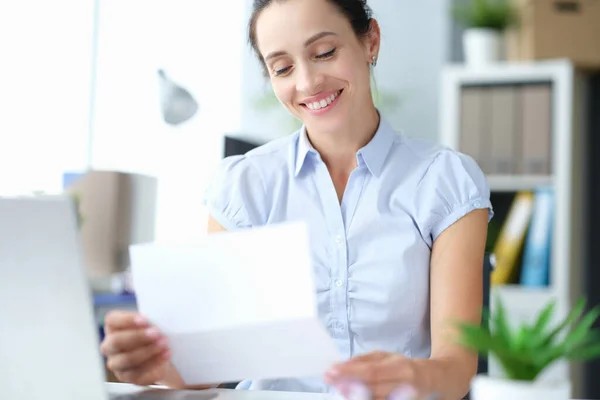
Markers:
<point>487,14</point>
<point>484,21</point>
<point>526,351</point>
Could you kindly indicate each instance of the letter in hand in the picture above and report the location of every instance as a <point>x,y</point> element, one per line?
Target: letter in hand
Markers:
<point>136,352</point>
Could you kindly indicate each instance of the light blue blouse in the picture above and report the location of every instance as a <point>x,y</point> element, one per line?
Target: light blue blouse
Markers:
<point>371,253</point>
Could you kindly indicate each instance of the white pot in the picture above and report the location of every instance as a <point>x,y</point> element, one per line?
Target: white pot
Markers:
<point>483,46</point>
<point>488,388</point>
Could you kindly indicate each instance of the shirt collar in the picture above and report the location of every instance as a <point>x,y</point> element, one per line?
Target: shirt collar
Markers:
<point>373,154</point>
<point>376,151</point>
<point>303,149</point>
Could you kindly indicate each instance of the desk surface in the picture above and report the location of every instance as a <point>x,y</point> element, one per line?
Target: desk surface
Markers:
<point>232,394</point>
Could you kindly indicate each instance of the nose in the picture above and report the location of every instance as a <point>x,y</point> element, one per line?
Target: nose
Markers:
<point>308,79</point>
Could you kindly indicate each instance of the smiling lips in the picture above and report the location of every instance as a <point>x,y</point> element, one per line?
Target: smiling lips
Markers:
<point>324,104</point>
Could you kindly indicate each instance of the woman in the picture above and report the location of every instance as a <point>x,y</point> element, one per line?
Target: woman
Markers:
<point>398,226</point>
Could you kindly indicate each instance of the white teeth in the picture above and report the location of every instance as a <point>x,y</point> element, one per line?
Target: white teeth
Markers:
<point>317,105</point>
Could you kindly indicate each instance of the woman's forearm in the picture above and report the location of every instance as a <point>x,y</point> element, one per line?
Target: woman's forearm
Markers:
<point>449,376</point>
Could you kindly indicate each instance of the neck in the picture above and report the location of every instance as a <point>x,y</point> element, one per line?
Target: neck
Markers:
<point>338,149</point>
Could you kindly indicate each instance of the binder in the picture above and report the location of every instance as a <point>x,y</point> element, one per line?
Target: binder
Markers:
<point>536,258</point>
<point>536,128</point>
<point>471,128</point>
<point>503,124</point>
<point>511,238</point>
<point>485,140</point>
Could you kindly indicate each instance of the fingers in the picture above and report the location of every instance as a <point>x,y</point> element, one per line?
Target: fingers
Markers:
<point>136,351</point>
<point>393,391</point>
<point>150,372</point>
<point>356,390</point>
<point>374,368</point>
<point>371,373</point>
<point>123,320</point>
<point>129,340</point>
<point>136,358</point>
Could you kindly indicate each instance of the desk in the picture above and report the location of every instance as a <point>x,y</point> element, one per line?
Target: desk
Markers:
<point>232,394</point>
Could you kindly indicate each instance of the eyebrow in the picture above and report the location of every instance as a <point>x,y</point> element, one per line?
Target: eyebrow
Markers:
<point>307,43</point>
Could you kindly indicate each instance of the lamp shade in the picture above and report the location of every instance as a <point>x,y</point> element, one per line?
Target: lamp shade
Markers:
<point>177,104</point>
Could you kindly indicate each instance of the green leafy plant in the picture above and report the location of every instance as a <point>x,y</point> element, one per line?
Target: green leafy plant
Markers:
<point>77,203</point>
<point>491,14</point>
<point>267,102</point>
<point>526,351</point>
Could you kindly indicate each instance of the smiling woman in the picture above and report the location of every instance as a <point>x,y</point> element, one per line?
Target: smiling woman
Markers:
<point>397,226</point>
<point>318,75</point>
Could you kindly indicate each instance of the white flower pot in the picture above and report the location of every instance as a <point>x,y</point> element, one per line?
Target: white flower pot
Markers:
<point>483,46</point>
<point>489,388</point>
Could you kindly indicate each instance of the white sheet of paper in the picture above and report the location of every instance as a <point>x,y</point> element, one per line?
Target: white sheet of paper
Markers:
<point>238,305</point>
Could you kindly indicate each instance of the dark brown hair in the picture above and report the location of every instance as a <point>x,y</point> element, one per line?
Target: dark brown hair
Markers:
<point>357,12</point>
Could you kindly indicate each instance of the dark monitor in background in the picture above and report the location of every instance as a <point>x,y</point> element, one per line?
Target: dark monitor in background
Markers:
<point>236,146</point>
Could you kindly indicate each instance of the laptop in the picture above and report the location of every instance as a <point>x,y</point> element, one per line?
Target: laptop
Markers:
<point>49,341</point>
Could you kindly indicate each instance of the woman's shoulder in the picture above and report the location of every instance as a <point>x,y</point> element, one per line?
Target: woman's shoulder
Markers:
<point>447,184</point>
<point>428,158</point>
<point>429,151</point>
<point>238,193</point>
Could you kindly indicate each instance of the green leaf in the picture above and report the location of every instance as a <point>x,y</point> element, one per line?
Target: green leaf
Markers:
<point>545,317</point>
<point>574,315</point>
<point>541,324</point>
<point>501,327</point>
<point>492,14</point>
<point>585,353</point>
<point>582,329</point>
<point>528,350</point>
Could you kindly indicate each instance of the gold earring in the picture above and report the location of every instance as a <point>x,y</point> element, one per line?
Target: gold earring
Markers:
<point>374,63</point>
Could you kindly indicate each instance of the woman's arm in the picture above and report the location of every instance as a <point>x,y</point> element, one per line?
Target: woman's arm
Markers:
<point>456,294</point>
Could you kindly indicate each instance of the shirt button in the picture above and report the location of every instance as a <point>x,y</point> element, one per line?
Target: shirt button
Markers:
<point>338,239</point>
<point>477,204</point>
<point>339,283</point>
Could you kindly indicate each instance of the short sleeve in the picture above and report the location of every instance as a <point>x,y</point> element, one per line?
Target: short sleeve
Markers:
<point>453,186</point>
<point>234,194</point>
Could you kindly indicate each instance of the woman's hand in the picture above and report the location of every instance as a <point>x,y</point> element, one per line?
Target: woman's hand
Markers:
<point>382,376</point>
<point>136,351</point>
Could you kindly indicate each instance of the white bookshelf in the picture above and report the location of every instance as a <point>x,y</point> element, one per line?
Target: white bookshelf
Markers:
<point>566,177</point>
<point>513,183</point>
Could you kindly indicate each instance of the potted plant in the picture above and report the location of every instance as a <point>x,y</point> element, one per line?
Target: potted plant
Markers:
<point>526,351</point>
<point>485,22</point>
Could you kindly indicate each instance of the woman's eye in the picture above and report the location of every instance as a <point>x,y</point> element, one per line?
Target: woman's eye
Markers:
<point>326,55</point>
<point>281,71</point>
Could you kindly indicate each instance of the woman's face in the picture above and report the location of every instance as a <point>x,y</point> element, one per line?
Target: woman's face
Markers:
<point>319,68</point>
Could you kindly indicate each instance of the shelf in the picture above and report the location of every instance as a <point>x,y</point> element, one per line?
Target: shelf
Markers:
<point>513,183</point>
<point>521,292</point>
<point>525,303</point>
